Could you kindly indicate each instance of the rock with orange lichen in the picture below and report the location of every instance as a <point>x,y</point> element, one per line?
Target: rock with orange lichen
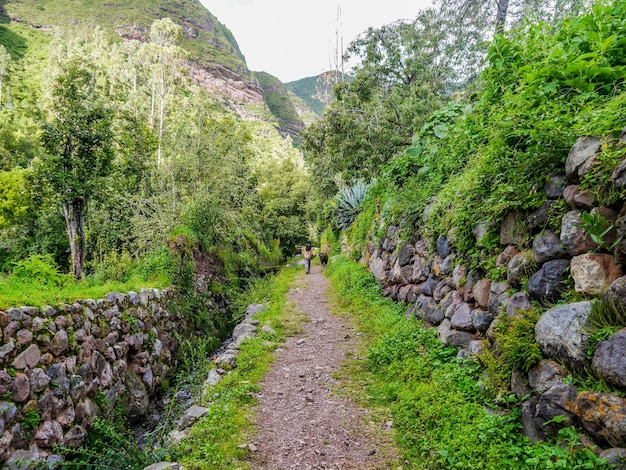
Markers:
<point>603,415</point>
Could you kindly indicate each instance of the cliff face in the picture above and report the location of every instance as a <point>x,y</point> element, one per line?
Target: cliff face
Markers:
<point>217,78</point>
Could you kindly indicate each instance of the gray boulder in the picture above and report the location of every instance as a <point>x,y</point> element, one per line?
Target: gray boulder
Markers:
<point>582,157</point>
<point>562,333</point>
<point>619,175</point>
<point>480,291</point>
<point>554,186</point>
<point>573,237</point>
<point>545,375</point>
<point>435,317</point>
<point>559,400</point>
<point>443,247</point>
<point>405,254</point>
<point>520,267</point>
<point>547,246</point>
<point>549,283</point>
<point>615,456</point>
<point>569,193</point>
<point>459,339</point>
<point>519,302</point>
<point>191,415</point>
<point>498,297</point>
<point>615,295</point>
<point>506,256</point>
<point>461,319</point>
<point>481,320</point>
<point>536,220</point>
<point>443,329</point>
<point>531,425</point>
<point>609,359</point>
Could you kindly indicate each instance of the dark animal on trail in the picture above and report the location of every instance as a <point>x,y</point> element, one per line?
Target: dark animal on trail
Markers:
<point>324,259</point>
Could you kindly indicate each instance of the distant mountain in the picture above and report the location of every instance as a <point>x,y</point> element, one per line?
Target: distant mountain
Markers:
<point>317,91</point>
<point>278,100</point>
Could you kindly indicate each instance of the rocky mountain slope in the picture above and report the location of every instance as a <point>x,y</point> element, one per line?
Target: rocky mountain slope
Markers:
<point>216,62</point>
<point>317,91</point>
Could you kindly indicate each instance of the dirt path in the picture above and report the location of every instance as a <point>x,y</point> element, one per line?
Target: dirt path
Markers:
<point>302,423</point>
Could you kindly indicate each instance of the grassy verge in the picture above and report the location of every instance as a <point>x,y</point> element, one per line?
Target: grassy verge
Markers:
<point>442,417</point>
<point>38,281</point>
<point>214,442</point>
<point>15,293</point>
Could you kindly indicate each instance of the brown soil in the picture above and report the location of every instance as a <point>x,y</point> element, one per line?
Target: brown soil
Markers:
<point>303,423</point>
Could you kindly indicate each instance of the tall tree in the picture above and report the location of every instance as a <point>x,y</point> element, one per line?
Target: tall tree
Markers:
<point>5,62</point>
<point>78,144</point>
<point>402,77</point>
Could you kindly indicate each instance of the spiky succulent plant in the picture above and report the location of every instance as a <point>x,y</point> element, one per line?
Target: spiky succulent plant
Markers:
<point>348,202</point>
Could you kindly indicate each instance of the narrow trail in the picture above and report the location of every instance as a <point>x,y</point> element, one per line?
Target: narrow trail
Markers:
<point>302,423</point>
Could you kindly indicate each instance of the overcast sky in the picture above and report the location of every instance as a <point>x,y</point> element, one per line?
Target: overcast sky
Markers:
<point>293,39</point>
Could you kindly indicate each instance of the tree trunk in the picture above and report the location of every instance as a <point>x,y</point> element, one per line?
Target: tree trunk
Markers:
<point>503,7</point>
<point>74,213</point>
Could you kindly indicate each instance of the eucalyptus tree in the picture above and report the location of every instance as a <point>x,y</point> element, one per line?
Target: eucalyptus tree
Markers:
<point>402,76</point>
<point>77,139</point>
<point>163,70</point>
<point>5,62</point>
<point>470,26</point>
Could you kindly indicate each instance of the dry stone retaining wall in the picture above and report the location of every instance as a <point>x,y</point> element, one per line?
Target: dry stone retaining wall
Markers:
<point>464,304</point>
<point>58,363</point>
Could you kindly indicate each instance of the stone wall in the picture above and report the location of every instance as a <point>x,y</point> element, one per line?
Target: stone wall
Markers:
<point>464,304</point>
<point>58,364</point>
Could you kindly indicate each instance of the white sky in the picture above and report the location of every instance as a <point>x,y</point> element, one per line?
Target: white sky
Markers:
<point>292,39</point>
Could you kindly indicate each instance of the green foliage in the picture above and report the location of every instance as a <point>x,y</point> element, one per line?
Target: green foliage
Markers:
<point>277,99</point>
<point>109,445</point>
<point>514,348</point>
<point>597,228</point>
<point>441,416</point>
<point>348,202</point>
<point>487,153</point>
<point>316,92</point>
<point>207,45</point>
<point>15,199</point>
<point>39,269</point>
<point>31,420</point>
<point>400,80</point>
<point>606,318</point>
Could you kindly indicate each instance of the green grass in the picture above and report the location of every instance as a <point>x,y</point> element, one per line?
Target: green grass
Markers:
<point>442,417</point>
<point>214,441</point>
<point>16,292</point>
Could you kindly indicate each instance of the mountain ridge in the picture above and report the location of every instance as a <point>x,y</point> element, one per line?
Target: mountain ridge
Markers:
<point>216,61</point>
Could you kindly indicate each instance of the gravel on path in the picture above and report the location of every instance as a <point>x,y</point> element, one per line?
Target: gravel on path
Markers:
<point>301,423</point>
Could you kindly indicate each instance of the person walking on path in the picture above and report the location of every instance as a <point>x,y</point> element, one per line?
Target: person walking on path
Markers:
<point>307,253</point>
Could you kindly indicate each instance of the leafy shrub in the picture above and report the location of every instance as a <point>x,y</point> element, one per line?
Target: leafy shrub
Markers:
<point>39,269</point>
<point>597,228</point>
<point>108,445</point>
<point>515,347</point>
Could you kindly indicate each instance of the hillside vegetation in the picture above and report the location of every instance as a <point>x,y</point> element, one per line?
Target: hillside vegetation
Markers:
<point>206,39</point>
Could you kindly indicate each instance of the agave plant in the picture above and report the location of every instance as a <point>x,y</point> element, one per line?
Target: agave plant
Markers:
<point>348,202</point>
